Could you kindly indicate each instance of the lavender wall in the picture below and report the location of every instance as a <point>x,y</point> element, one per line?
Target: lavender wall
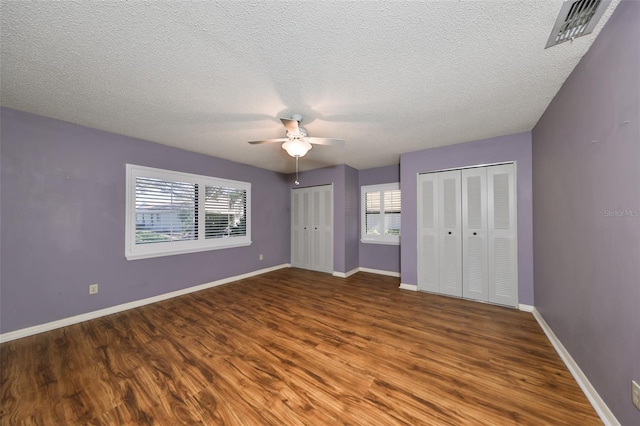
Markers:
<point>63,215</point>
<point>351,219</point>
<point>586,189</point>
<point>384,257</point>
<point>516,148</point>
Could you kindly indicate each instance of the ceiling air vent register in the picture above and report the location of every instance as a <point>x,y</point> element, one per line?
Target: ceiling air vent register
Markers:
<point>576,18</point>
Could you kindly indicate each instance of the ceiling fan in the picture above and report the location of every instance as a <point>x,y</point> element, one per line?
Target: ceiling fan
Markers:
<point>297,142</point>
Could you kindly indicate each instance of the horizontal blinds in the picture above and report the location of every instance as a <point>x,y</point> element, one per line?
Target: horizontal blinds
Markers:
<point>372,213</point>
<point>392,209</point>
<point>165,211</point>
<point>383,212</point>
<point>392,201</point>
<point>170,212</point>
<point>225,212</point>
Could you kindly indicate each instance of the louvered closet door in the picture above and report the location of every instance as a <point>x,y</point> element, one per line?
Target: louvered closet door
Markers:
<point>312,228</point>
<point>428,264</point>
<point>475,276</point>
<point>502,226</point>
<point>296,228</point>
<point>301,228</point>
<point>450,233</point>
<point>322,229</point>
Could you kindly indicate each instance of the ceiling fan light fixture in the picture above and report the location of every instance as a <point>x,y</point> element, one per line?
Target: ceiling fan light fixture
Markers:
<point>296,147</point>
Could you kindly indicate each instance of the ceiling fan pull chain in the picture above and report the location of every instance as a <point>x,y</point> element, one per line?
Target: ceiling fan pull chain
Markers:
<point>296,181</point>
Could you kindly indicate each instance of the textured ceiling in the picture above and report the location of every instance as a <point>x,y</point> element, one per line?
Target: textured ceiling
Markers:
<point>388,77</point>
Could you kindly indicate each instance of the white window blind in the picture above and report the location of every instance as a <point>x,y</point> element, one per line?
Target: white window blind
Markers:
<point>381,212</point>
<point>173,213</point>
<point>392,203</point>
<point>373,213</point>
<point>165,211</point>
<point>225,212</point>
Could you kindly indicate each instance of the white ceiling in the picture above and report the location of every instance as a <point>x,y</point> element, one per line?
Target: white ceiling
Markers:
<point>389,77</point>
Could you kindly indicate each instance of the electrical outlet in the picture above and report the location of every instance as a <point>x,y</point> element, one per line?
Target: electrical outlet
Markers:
<point>635,394</point>
<point>93,288</point>
<point>261,257</point>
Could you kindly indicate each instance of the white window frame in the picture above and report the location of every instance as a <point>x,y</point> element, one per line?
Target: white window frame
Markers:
<point>135,251</point>
<point>376,239</point>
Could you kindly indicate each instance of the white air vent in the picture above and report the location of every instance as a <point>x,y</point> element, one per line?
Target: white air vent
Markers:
<point>576,18</point>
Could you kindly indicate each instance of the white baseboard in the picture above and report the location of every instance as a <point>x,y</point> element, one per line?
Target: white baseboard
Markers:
<point>525,308</point>
<point>590,392</point>
<point>411,287</point>
<point>369,270</point>
<point>380,272</point>
<point>345,274</point>
<point>29,331</point>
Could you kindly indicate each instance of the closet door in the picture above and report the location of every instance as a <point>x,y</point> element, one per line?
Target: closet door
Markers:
<point>475,275</point>
<point>450,233</point>
<point>312,228</point>
<point>322,229</point>
<point>428,259</point>
<point>296,228</point>
<point>467,234</point>
<point>301,228</point>
<point>502,231</point>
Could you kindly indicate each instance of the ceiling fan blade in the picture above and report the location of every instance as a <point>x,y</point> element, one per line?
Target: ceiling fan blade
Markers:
<point>326,141</point>
<point>269,141</point>
<point>290,124</point>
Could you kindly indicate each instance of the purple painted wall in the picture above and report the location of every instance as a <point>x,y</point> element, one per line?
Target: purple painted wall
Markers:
<point>63,215</point>
<point>516,148</point>
<point>351,219</point>
<point>384,257</point>
<point>586,190</point>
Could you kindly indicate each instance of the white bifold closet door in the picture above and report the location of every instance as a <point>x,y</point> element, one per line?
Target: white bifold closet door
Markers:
<point>450,235</point>
<point>467,233</point>
<point>312,228</point>
<point>428,226</point>
<point>502,235</point>
<point>475,269</point>
<point>300,223</point>
<point>440,237</point>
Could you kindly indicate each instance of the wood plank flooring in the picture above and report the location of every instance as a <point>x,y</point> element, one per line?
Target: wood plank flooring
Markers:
<point>294,347</point>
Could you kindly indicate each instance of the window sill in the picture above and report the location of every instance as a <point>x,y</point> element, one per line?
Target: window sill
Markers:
<point>389,243</point>
<point>148,255</point>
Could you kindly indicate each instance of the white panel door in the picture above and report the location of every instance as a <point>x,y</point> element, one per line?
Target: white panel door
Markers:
<point>450,233</point>
<point>296,228</point>
<point>428,264</point>
<point>322,229</point>
<point>301,228</point>
<point>475,278</point>
<point>306,230</point>
<point>502,231</point>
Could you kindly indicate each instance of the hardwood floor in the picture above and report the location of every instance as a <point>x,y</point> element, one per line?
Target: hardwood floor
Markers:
<point>294,347</point>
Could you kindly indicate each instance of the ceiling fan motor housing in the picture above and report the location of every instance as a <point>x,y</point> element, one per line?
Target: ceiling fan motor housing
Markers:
<point>302,132</point>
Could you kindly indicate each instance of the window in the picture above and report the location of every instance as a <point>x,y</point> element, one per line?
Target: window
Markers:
<point>173,213</point>
<point>381,214</point>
